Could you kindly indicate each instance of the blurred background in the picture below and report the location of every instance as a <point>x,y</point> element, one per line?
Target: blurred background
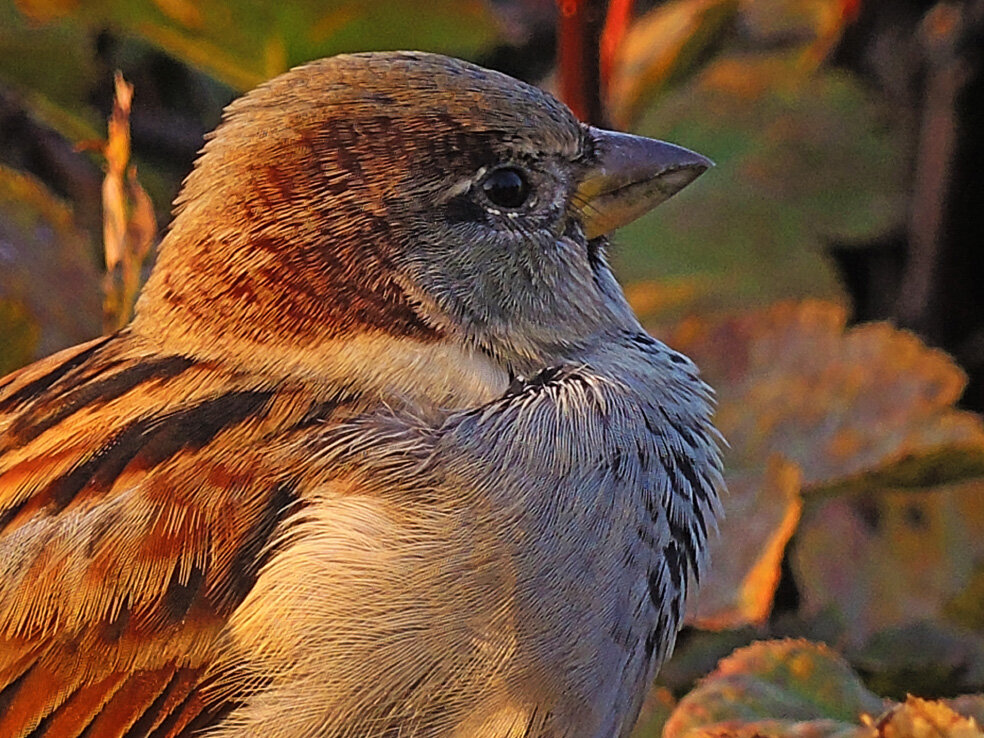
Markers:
<point>827,275</point>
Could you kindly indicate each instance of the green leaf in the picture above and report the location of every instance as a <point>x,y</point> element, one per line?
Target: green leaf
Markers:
<point>776,688</point>
<point>802,159</point>
<point>244,44</point>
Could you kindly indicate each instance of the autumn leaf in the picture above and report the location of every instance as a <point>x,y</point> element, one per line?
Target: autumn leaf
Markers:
<point>814,25</point>
<point>661,46</point>
<point>891,557</point>
<point>842,403</point>
<point>968,705</point>
<point>918,718</point>
<point>810,406</point>
<point>799,689</point>
<point>802,160</point>
<point>776,688</point>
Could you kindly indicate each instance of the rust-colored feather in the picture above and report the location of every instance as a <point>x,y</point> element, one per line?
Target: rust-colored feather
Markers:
<point>138,495</point>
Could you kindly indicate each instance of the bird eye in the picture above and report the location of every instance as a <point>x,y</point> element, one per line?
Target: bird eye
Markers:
<point>506,187</point>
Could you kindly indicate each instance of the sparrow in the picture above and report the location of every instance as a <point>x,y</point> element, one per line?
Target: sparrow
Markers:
<point>384,451</point>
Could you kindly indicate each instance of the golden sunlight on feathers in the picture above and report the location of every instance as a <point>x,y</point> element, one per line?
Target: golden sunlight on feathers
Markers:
<point>384,451</point>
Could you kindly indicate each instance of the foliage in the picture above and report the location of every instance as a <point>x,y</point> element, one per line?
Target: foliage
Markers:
<point>844,442</point>
<point>856,484</point>
<point>43,254</point>
<point>776,688</point>
<point>805,155</point>
<point>793,688</point>
<point>245,43</point>
<point>128,217</point>
<point>856,488</point>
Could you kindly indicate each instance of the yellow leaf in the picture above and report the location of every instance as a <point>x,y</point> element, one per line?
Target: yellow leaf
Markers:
<point>918,718</point>
<point>660,46</point>
<point>762,515</point>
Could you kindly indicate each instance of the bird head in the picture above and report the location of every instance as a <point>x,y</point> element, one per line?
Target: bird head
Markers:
<point>402,200</point>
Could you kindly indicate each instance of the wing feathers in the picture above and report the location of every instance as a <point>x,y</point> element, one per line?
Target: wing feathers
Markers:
<point>138,498</point>
<point>28,426</point>
<point>45,373</point>
<point>80,708</point>
<point>141,703</point>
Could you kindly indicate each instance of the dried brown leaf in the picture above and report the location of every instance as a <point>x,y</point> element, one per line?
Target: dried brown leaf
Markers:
<point>840,402</point>
<point>917,718</point>
<point>968,705</point>
<point>835,405</point>
<point>116,152</point>
<point>129,225</point>
<point>877,560</point>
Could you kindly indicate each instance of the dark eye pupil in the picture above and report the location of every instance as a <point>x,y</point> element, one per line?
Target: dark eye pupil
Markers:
<point>506,188</point>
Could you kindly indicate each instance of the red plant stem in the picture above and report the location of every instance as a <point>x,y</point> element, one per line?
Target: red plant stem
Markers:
<point>578,38</point>
<point>617,24</point>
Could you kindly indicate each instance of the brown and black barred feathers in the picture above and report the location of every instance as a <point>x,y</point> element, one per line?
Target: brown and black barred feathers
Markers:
<point>147,482</point>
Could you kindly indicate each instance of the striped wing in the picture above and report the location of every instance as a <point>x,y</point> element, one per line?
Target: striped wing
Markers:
<point>137,499</point>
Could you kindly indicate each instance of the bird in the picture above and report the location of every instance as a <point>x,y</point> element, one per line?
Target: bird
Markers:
<point>384,451</point>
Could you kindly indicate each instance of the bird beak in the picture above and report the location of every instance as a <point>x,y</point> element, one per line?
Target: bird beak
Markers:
<point>631,176</point>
